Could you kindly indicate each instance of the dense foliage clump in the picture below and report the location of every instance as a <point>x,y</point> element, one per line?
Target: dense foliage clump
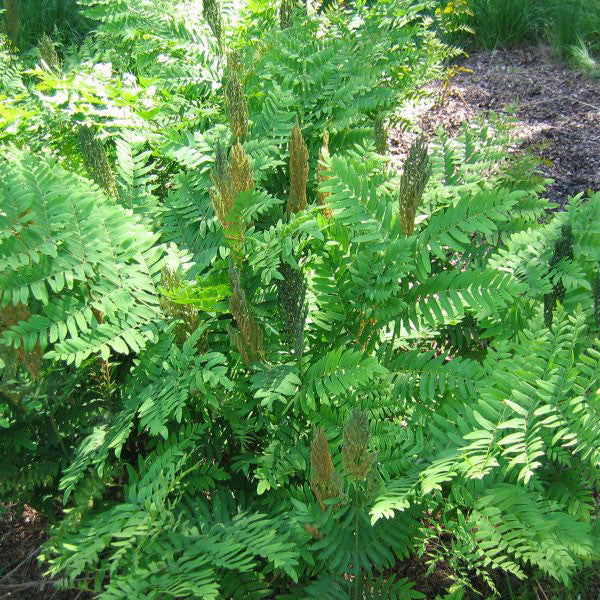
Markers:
<point>244,356</point>
<point>570,27</point>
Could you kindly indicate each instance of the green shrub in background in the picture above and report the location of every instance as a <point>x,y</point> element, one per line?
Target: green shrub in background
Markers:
<point>26,21</point>
<point>503,23</point>
<point>572,27</point>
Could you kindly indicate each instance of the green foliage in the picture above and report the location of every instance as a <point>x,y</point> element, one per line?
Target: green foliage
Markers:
<point>571,26</point>
<point>61,19</point>
<point>240,363</point>
<point>505,23</point>
<point>86,269</point>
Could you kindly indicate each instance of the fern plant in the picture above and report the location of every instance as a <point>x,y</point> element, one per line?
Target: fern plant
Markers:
<point>254,359</point>
<point>80,273</point>
<point>360,334</point>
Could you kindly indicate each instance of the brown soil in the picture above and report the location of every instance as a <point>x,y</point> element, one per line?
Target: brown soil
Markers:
<point>557,112</point>
<point>21,578</point>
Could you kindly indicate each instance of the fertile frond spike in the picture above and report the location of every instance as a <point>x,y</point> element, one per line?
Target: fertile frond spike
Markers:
<point>356,458</point>
<point>211,10</point>
<point>236,339</point>
<point>322,177</point>
<point>48,53</point>
<point>292,295</point>
<point>412,184</point>
<point>286,9</point>
<point>220,170</point>
<point>250,340</point>
<point>230,178</point>
<point>240,175</point>
<point>380,134</point>
<point>563,250</point>
<point>96,160</point>
<point>298,172</point>
<point>222,197</point>
<point>235,101</point>
<point>234,62</point>
<point>322,480</point>
<point>239,169</point>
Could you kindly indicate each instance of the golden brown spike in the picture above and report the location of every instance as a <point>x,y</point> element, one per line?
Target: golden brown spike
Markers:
<point>96,161</point>
<point>355,455</point>
<point>230,178</point>
<point>220,171</point>
<point>211,10</point>
<point>48,53</point>
<point>240,173</point>
<point>223,193</point>
<point>313,531</point>
<point>234,336</point>
<point>412,184</point>
<point>298,172</point>
<point>249,335</point>
<point>380,134</point>
<point>322,482</point>
<point>321,174</point>
<point>239,169</point>
<point>235,101</point>
<point>286,9</point>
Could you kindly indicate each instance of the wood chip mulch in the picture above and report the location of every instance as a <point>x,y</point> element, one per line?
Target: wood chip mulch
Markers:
<point>22,532</point>
<point>557,112</point>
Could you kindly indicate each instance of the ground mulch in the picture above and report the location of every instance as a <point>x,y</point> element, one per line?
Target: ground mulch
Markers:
<point>22,532</point>
<point>557,112</point>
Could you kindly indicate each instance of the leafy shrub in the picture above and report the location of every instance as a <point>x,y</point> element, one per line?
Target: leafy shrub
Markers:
<point>29,20</point>
<point>254,360</point>
<point>503,23</point>
<point>571,26</point>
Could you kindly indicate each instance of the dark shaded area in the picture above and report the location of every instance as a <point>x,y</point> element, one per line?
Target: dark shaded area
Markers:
<point>60,19</point>
<point>22,532</point>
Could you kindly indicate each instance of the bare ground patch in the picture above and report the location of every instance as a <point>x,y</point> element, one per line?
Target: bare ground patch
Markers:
<point>22,532</point>
<point>557,112</point>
